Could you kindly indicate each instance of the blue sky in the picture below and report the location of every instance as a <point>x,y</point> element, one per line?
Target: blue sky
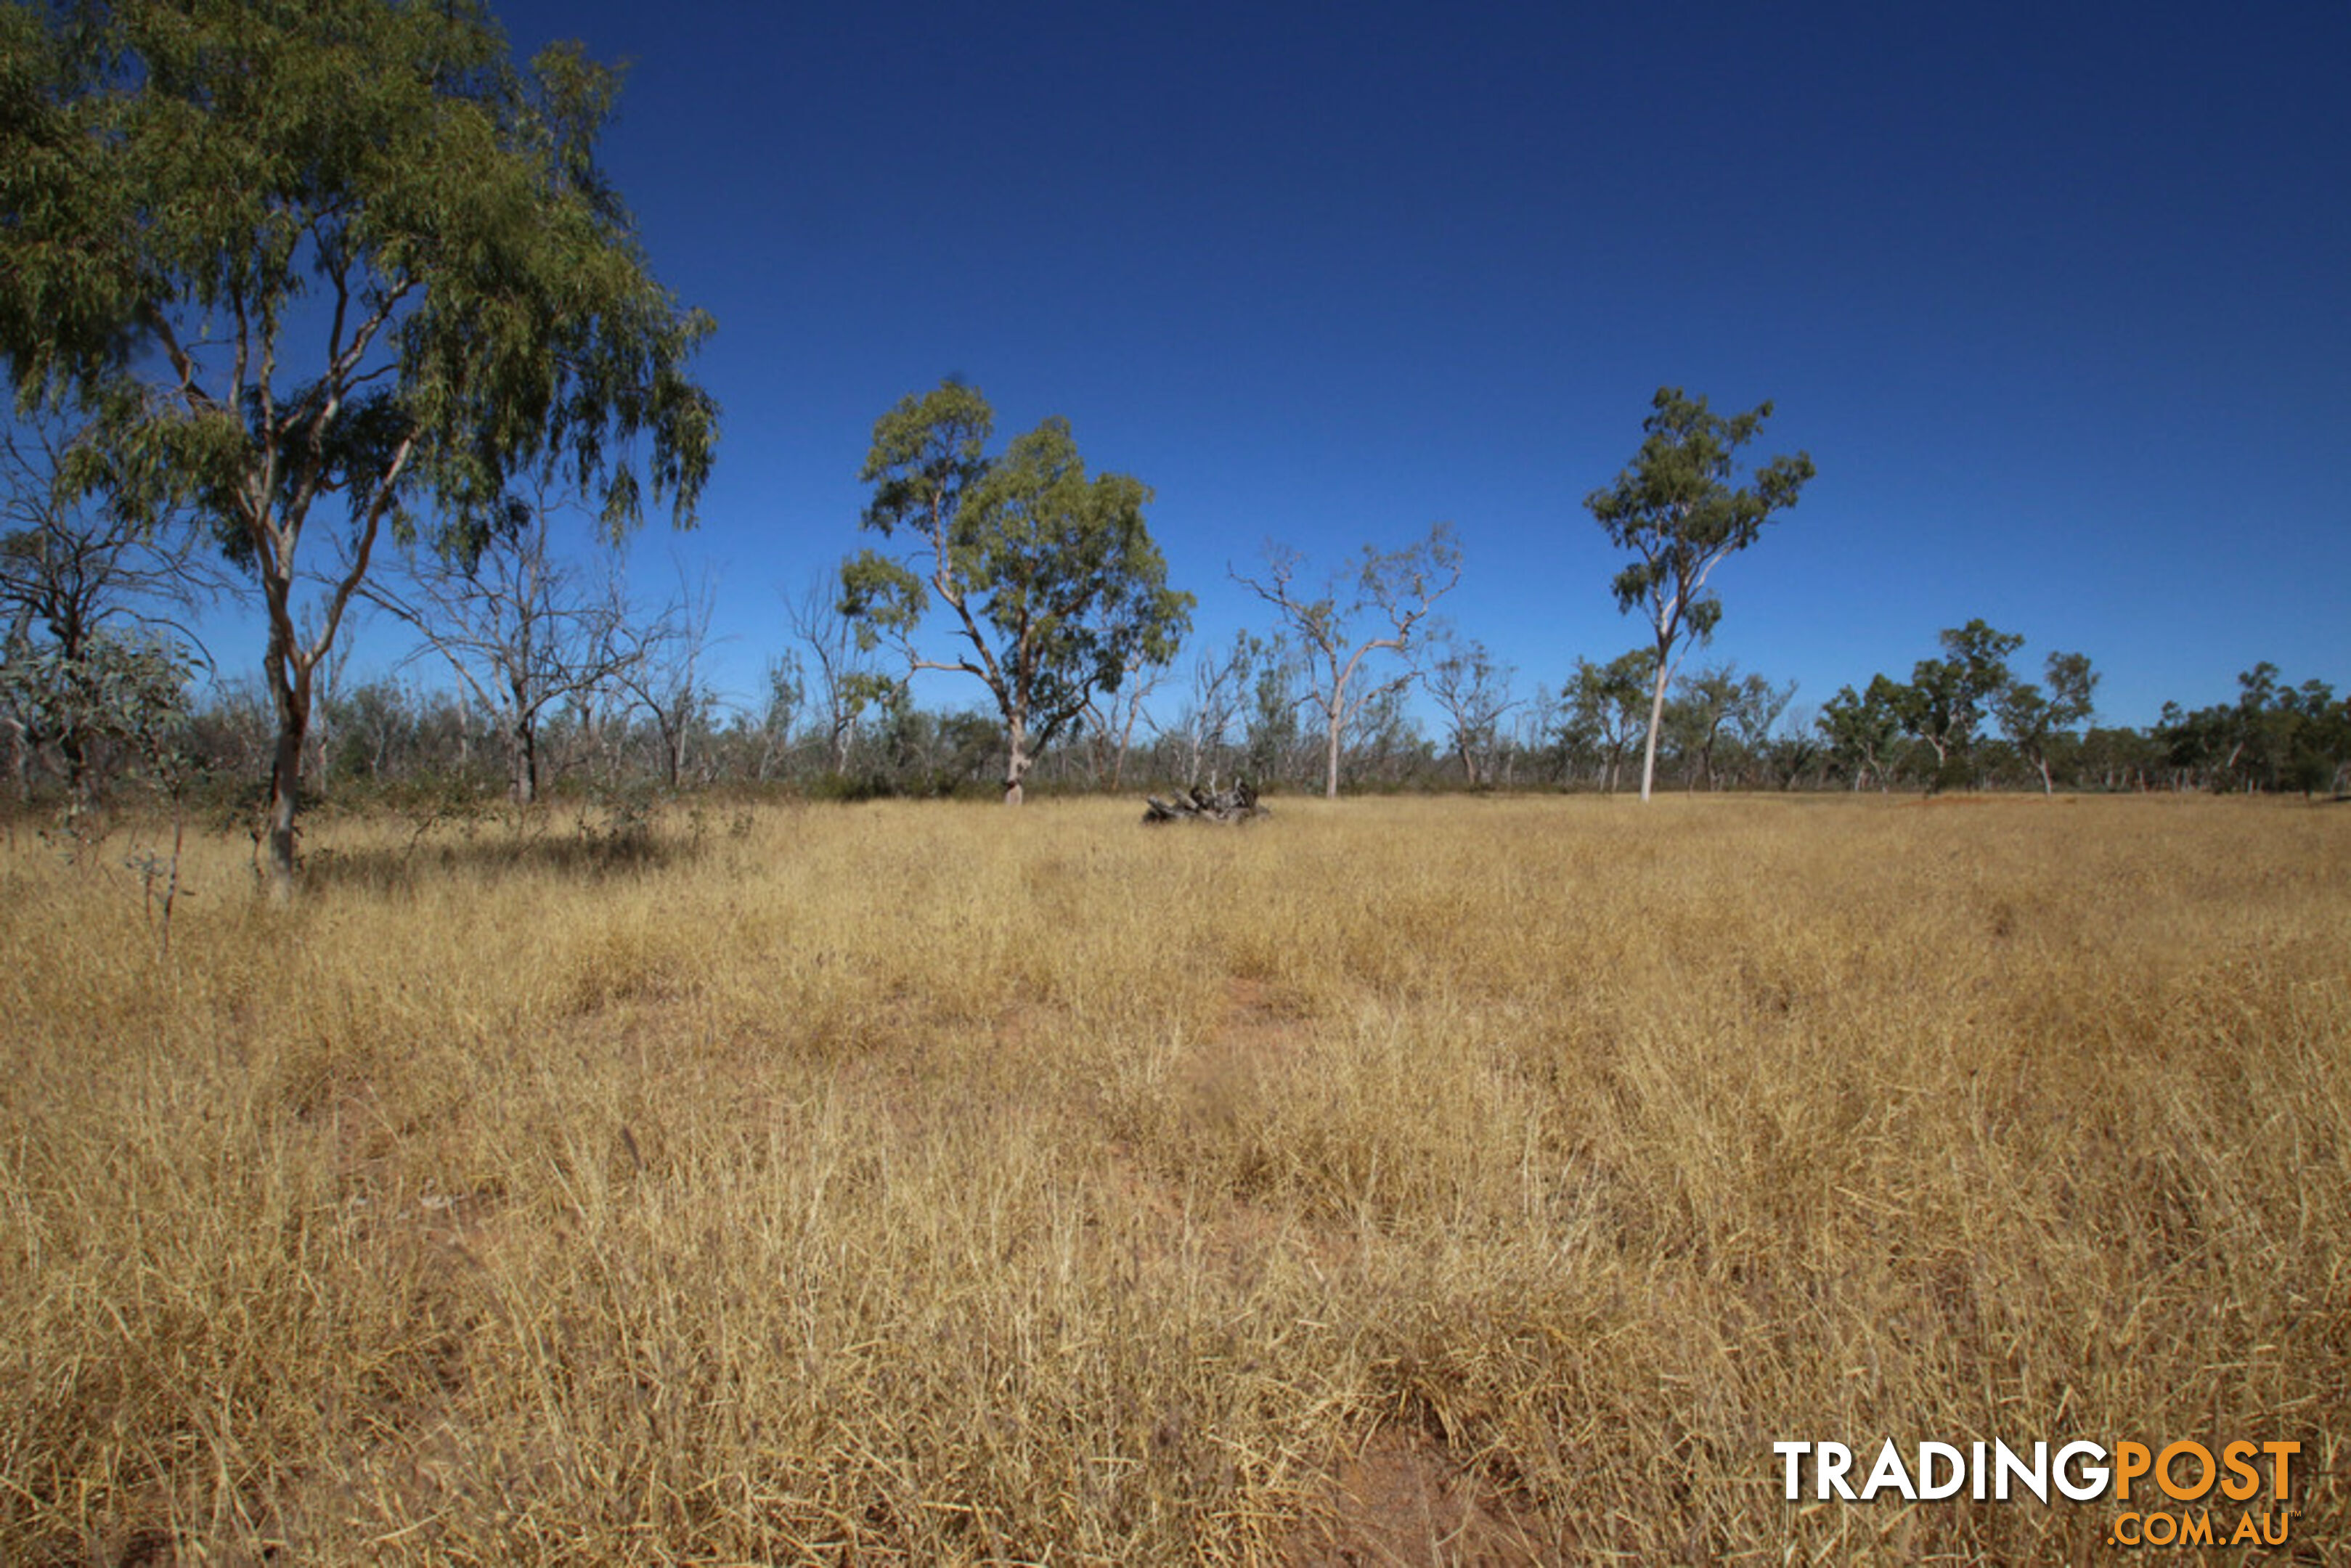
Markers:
<point>2057,297</point>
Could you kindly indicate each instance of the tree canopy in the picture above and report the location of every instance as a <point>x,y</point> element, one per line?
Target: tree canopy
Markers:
<point>1675,508</point>
<point>343,252</point>
<point>2033,719</point>
<point>1603,705</point>
<point>1948,698</point>
<point>1055,590</point>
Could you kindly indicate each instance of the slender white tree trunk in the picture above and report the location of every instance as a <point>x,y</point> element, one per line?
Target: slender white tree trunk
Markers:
<point>1656,721</point>
<point>1331,774</point>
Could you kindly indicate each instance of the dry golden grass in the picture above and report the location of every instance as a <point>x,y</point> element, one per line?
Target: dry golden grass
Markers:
<point>1388,1182</point>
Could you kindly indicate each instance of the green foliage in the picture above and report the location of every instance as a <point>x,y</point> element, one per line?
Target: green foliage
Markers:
<point>2034,721</point>
<point>1606,705</point>
<point>1946,701</point>
<point>127,693</point>
<point>1475,692</point>
<point>343,249</point>
<point>1706,703</point>
<point>1678,508</point>
<point>1272,736</point>
<point>1862,731</point>
<point>1051,577</point>
<point>2276,736</point>
<point>1947,698</point>
<point>485,304</point>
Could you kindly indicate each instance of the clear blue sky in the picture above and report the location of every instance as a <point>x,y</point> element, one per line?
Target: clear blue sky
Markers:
<point>2057,296</point>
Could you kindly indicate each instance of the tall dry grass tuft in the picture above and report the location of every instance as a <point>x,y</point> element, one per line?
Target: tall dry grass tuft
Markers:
<point>1414,1180</point>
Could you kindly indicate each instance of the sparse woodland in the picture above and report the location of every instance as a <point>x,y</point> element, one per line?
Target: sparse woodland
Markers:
<point>528,1103</point>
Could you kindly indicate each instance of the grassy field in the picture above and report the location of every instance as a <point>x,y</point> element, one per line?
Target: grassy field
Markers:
<point>1389,1182</point>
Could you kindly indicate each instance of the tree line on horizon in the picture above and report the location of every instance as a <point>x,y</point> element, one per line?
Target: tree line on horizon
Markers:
<point>409,330</point>
<point>593,696</point>
<point>549,672</point>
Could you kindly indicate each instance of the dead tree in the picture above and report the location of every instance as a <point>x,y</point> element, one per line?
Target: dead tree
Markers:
<point>1237,804</point>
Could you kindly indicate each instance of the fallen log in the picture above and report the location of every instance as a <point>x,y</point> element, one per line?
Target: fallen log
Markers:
<point>1237,804</point>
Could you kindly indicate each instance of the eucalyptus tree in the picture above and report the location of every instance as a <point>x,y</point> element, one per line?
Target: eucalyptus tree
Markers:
<point>123,692</point>
<point>1385,744</point>
<point>346,259</point>
<point>841,683</point>
<point>1111,720</point>
<point>1948,698</point>
<point>1696,713</point>
<point>1755,709</point>
<point>1676,507</point>
<point>1706,703</point>
<point>1220,687</point>
<point>1534,738</point>
<point>2033,719</point>
<point>2274,737</point>
<point>1397,589</point>
<point>90,648</point>
<point>1603,705</point>
<point>1273,746</point>
<point>658,671</point>
<point>776,719</point>
<point>1475,694</point>
<point>518,625</point>
<point>1863,729</point>
<point>1053,589</point>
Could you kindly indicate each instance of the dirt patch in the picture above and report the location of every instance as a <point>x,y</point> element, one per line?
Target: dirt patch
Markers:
<point>1258,1039</point>
<point>1258,1012</point>
<point>1402,1501</point>
<point>1400,1497</point>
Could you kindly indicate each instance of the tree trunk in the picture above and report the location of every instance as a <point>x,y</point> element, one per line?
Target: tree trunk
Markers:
<point>1017,759</point>
<point>78,786</point>
<point>1125,740</point>
<point>289,689</point>
<point>1942,760</point>
<point>522,761</point>
<point>1332,732</point>
<point>20,758</point>
<point>285,787</point>
<point>670,731</point>
<point>1656,721</point>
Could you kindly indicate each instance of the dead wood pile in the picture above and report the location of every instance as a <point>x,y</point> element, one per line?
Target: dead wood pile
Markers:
<point>1237,804</point>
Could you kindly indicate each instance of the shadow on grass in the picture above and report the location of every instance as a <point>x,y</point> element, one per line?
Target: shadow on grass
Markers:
<point>490,854</point>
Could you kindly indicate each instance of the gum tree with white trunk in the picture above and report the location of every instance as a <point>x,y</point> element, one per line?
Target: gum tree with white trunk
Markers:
<point>1398,588</point>
<point>1676,508</point>
<point>1054,593</point>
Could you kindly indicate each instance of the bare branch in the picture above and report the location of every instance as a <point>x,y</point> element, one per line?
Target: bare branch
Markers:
<point>1402,587</point>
